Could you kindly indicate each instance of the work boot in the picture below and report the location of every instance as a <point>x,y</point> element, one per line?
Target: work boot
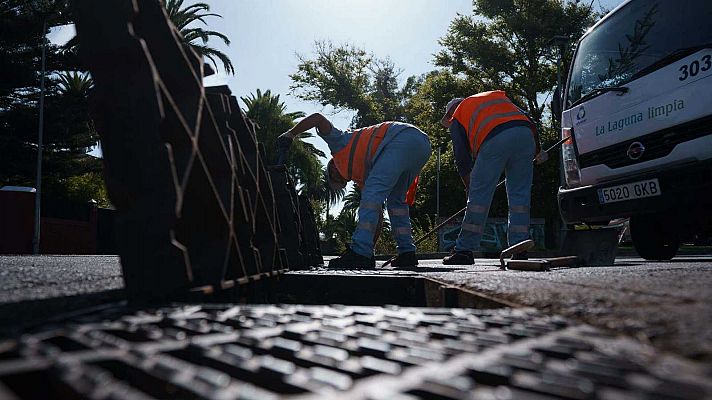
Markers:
<point>520,256</point>
<point>459,258</point>
<point>405,260</point>
<point>352,260</point>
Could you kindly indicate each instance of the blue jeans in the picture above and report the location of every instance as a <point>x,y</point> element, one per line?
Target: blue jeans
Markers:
<point>510,151</point>
<point>392,173</point>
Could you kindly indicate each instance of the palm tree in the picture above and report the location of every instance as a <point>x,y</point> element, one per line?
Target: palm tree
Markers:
<point>74,83</point>
<point>324,193</point>
<point>272,119</point>
<point>352,199</point>
<point>197,37</point>
<point>194,36</point>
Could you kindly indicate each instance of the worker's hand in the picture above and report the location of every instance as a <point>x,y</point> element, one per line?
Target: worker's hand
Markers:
<point>541,157</point>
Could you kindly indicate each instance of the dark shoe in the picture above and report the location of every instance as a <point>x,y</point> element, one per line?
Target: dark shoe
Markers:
<point>405,260</point>
<point>520,256</point>
<point>459,258</point>
<point>352,260</point>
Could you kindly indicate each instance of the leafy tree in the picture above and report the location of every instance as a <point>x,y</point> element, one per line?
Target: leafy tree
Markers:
<point>506,44</point>
<point>325,197</point>
<point>68,131</point>
<point>184,17</point>
<point>348,78</point>
<point>352,198</point>
<point>75,83</point>
<point>272,120</point>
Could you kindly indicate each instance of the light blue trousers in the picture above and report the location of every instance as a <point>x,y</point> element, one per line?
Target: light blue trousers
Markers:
<point>510,151</point>
<point>395,168</point>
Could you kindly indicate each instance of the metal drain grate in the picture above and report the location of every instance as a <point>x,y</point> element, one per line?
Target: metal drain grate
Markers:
<point>267,352</point>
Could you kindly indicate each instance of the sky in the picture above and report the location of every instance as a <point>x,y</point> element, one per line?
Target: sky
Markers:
<point>267,35</point>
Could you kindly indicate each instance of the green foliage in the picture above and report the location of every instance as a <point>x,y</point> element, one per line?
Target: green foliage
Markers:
<point>184,19</point>
<point>385,243</point>
<point>348,78</point>
<point>68,131</point>
<point>338,230</point>
<point>75,84</point>
<point>429,244</point>
<point>324,195</point>
<point>86,187</point>
<point>507,44</point>
<point>352,199</point>
<point>452,191</point>
<point>269,113</point>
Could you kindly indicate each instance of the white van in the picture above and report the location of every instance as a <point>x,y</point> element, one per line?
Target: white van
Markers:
<point>638,108</point>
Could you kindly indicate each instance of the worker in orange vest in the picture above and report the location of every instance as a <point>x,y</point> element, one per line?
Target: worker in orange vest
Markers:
<point>491,135</point>
<point>384,160</point>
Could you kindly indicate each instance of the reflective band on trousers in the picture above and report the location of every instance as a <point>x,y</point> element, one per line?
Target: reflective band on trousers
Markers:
<point>473,228</point>
<point>372,205</point>
<point>519,209</point>
<point>519,228</point>
<point>367,226</point>
<point>402,231</point>
<point>400,211</point>
<point>475,208</point>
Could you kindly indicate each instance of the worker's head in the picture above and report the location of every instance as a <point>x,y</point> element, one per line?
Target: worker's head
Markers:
<point>335,179</point>
<point>450,108</point>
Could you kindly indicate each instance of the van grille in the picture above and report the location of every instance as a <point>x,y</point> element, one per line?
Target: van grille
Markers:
<point>657,144</point>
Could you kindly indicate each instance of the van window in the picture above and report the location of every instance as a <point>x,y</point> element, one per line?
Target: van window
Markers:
<point>637,36</point>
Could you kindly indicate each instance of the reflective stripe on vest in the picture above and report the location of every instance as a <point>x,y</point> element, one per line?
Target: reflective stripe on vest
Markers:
<point>354,160</point>
<point>483,112</point>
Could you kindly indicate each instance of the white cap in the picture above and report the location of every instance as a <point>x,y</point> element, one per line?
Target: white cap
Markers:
<point>453,102</point>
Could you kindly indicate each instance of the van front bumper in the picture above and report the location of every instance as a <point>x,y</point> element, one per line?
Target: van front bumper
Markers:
<point>684,189</point>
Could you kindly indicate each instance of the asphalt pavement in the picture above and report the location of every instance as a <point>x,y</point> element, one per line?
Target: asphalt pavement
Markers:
<point>666,304</point>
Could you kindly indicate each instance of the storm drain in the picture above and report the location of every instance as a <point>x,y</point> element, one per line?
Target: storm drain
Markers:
<point>348,352</point>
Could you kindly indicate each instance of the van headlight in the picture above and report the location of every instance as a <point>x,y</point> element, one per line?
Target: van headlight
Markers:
<point>572,173</point>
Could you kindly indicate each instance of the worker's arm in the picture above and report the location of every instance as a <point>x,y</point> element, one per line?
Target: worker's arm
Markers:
<point>316,120</point>
<point>461,151</point>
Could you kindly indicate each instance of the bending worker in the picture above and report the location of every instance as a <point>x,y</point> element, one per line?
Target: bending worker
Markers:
<point>384,160</point>
<point>491,135</point>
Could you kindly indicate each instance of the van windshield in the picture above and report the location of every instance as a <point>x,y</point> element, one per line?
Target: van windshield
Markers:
<point>636,37</point>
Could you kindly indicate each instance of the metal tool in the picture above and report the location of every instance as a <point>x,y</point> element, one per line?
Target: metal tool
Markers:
<point>440,225</point>
<point>518,248</point>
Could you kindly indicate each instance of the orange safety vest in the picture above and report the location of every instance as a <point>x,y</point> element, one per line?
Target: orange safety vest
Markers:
<point>483,112</point>
<point>354,160</point>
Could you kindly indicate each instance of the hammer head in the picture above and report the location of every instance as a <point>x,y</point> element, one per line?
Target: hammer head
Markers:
<point>520,247</point>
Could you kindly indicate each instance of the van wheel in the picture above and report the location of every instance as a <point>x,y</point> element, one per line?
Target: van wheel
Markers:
<point>654,237</point>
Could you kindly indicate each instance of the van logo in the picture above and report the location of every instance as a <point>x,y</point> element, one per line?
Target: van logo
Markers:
<point>581,113</point>
<point>636,150</point>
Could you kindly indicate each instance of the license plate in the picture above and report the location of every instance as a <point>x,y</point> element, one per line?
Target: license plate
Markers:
<point>629,191</point>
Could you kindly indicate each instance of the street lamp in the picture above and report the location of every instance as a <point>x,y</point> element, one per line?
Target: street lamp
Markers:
<point>44,10</point>
<point>38,192</point>
<point>437,196</point>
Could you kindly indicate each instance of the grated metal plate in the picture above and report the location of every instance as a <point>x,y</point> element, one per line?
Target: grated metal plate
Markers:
<point>292,351</point>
